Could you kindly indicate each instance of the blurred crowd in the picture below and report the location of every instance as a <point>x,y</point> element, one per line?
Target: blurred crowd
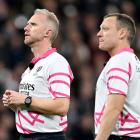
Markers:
<point>77,42</point>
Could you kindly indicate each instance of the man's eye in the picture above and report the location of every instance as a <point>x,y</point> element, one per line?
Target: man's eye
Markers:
<point>33,23</point>
<point>104,28</point>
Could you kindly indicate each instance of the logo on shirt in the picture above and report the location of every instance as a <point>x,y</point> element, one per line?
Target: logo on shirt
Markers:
<point>39,68</point>
<point>27,86</point>
<point>137,59</point>
<point>137,68</point>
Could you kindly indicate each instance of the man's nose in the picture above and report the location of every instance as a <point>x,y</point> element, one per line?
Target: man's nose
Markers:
<point>99,33</point>
<point>26,27</point>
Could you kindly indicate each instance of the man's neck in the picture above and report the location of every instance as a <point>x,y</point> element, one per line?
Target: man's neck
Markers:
<point>116,49</point>
<point>38,50</point>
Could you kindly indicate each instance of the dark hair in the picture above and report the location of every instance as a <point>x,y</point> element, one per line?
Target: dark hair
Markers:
<point>127,22</point>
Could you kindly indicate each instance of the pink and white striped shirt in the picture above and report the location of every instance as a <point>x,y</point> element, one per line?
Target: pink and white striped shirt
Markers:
<point>121,75</point>
<point>50,77</point>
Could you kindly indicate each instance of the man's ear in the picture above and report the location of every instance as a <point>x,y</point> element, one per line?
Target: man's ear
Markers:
<point>48,33</point>
<point>123,33</point>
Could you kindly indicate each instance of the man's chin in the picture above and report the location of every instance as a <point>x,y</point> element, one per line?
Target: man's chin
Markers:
<point>101,47</point>
<point>26,42</point>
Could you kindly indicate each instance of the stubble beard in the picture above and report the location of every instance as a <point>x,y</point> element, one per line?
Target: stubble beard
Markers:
<point>28,42</point>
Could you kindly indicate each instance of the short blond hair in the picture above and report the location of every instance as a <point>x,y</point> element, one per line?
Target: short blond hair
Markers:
<point>51,17</point>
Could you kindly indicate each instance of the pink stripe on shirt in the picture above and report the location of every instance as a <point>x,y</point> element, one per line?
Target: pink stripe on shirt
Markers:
<point>60,81</point>
<point>46,54</point>
<point>71,74</point>
<point>118,77</point>
<point>63,123</point>
<point>59,74</point>
<point>25,131</point>
<point>119,69</point>
<point>112,90</point>
<point>56,94</point>
<point>126,50</point>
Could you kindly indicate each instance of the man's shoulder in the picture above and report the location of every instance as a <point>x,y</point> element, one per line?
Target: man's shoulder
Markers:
<point>59,57</point>
<point>123,57</point>
<point>56,59</point>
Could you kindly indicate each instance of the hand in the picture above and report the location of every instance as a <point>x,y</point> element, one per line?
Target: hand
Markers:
<point>11,97</point>
<point>6,99</point>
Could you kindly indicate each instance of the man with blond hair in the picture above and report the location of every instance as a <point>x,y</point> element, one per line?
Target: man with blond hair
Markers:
<point>43,99</point>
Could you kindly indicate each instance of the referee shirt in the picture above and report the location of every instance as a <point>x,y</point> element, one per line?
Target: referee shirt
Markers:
<point>49,78</point>
<point>121,75</point>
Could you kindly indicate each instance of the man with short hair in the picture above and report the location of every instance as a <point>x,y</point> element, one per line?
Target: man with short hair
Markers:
<point>42,103</point>
<point>117,110</point>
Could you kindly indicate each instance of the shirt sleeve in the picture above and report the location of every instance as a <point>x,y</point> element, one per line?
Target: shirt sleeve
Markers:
<point>60,78</point>
<point>118,76</point>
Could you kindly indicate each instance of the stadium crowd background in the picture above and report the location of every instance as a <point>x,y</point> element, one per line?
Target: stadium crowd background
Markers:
<point>77,41</point>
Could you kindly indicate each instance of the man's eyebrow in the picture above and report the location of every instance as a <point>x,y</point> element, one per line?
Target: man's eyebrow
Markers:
<point>101,26</point>
<point>32,23</point>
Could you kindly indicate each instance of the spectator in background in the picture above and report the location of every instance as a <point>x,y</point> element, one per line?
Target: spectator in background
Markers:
<point>117,115</point>
<point>42,103</point>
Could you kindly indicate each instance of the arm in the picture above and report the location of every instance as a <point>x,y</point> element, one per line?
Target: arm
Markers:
<point>114,106</point>
<point>58,106</point>
<point>59,80</point>
<point>13,108</point>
